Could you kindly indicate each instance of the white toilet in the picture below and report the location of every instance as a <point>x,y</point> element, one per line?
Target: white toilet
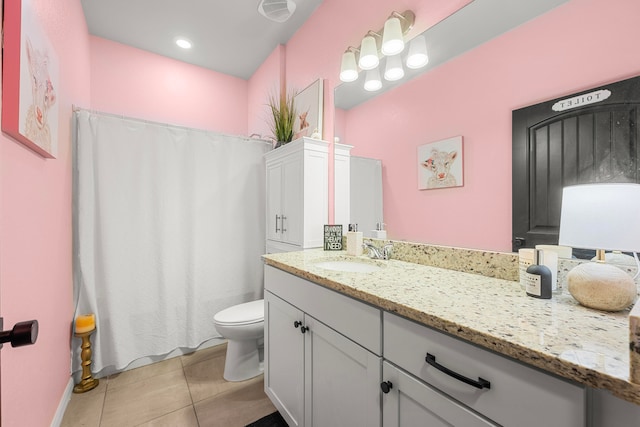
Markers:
<point>243,326</point>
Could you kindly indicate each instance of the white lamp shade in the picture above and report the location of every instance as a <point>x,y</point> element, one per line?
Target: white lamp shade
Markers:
<point>417,57</point>
<point>348,68</point>
<point>392,41</point>
<point>601,216</point>
<point>368,53</point>
<point>393,70</point>
<point>372,81</point>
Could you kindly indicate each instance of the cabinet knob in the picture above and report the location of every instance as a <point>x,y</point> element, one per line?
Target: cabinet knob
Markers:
<point>304,329</point>
<point>297,324</point>
<point>386,386</point>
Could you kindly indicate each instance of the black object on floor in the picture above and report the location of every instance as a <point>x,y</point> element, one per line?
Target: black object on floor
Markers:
<point>271,420</point>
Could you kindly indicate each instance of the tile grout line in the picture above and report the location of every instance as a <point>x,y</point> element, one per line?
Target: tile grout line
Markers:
<point>104,400</point>
<point>193,406</point>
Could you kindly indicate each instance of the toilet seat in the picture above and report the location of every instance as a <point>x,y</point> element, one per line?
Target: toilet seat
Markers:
<point>242,314</point>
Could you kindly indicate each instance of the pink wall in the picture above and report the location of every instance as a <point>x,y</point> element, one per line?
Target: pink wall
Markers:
<point>165,90</point>
<point>35,236</point>
<point>264,82</point>
<point>473,95</point>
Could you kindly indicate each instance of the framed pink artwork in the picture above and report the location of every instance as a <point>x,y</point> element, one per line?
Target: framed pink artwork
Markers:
<point>30,81</point>
<point>440,164</point>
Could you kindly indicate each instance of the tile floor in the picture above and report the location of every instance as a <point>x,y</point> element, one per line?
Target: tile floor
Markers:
<point>186,391</point>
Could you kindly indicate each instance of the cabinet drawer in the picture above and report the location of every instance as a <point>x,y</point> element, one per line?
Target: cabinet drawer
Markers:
<point>410,402</point>
<point>360,322</point>
<point>518,395</point>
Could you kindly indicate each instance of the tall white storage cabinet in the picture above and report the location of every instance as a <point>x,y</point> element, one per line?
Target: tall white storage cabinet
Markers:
<point>342,184</point>
<point>297,195</point>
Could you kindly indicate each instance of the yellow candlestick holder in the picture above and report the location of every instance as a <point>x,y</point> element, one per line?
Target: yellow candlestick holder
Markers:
<point>87,382</point>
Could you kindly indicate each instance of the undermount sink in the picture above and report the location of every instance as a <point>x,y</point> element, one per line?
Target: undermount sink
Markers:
<point>349,266</point>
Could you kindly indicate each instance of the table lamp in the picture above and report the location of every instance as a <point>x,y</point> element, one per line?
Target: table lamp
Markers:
<point>601,217</point>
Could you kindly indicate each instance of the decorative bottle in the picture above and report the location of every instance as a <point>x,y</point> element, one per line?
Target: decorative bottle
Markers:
<point>538,277</point>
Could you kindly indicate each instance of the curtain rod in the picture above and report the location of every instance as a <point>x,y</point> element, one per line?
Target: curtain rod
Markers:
<point>77,109</point>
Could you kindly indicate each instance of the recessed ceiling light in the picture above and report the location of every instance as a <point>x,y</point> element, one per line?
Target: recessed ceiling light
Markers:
<point>183,43</point>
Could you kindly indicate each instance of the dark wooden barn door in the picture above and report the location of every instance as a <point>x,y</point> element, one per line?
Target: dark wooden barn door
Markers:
<point>593,143</point>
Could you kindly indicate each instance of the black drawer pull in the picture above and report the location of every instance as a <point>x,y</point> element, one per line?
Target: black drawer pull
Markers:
<point>481,383</point>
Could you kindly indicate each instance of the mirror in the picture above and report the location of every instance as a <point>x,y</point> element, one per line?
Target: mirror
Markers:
<point>399,116</point>
<point>366,194</point>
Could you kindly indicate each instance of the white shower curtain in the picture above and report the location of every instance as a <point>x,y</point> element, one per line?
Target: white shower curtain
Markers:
<point>169,229</point>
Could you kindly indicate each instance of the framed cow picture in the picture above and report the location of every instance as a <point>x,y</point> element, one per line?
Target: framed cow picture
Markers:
<point>440,164</point>
<point>30,81</point>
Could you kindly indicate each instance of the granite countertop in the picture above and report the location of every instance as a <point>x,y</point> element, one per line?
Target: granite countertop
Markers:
<point>558,335</point>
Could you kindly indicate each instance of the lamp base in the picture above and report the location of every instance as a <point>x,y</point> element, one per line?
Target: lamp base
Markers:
<point>601,286</point>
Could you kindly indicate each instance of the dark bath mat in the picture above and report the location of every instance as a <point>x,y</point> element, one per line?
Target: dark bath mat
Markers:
<point>271,420</point>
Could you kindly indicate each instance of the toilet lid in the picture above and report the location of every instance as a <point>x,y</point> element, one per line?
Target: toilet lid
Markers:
<point>241,314</point>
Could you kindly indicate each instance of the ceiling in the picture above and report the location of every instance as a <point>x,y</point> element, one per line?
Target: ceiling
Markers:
<point>228,36</point>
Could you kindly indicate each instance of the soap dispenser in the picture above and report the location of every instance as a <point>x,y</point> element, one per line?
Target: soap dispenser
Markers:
<point>379,232</point>
<point>538,278</point>
<point>354,240</point>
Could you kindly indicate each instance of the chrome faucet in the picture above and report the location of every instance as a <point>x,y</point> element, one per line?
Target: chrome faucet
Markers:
<point>378,253</point>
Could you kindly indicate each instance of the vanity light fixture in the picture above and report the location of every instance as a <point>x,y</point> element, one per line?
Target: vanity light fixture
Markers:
<point>372,82</point>
<point>386,42</point>
<point>418,56</point>
<point>393,70</point>
<point>183,43</point>
<point>349,67</point>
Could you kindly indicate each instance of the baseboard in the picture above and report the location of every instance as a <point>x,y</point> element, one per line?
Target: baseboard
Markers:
<point>62,406</point>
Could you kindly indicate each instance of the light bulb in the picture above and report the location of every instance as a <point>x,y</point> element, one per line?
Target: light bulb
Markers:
<point>392,42</point>
<point>393,70</point>
<point>348,68</point>
<point>417,57</point>
<point>372,82</point>
<point>368,53</point>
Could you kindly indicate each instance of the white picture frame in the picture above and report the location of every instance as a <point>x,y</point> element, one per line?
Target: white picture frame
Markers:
<point>308,105</point>
<point>440,164</point>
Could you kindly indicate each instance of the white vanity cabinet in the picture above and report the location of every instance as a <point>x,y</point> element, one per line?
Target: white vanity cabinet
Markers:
<point>297,202</point>
<point>468,377</point>
<point>284,358</point>
<point>321,366</point>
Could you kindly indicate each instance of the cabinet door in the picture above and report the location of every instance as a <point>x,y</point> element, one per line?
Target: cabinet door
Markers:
<point>342,380</point>
<point>284,359</point>
<point>292,200</point>
<point>274,201</point>
<point>412,403</point>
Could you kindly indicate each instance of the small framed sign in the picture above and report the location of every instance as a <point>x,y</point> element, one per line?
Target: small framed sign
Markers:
<point>333,237</point>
